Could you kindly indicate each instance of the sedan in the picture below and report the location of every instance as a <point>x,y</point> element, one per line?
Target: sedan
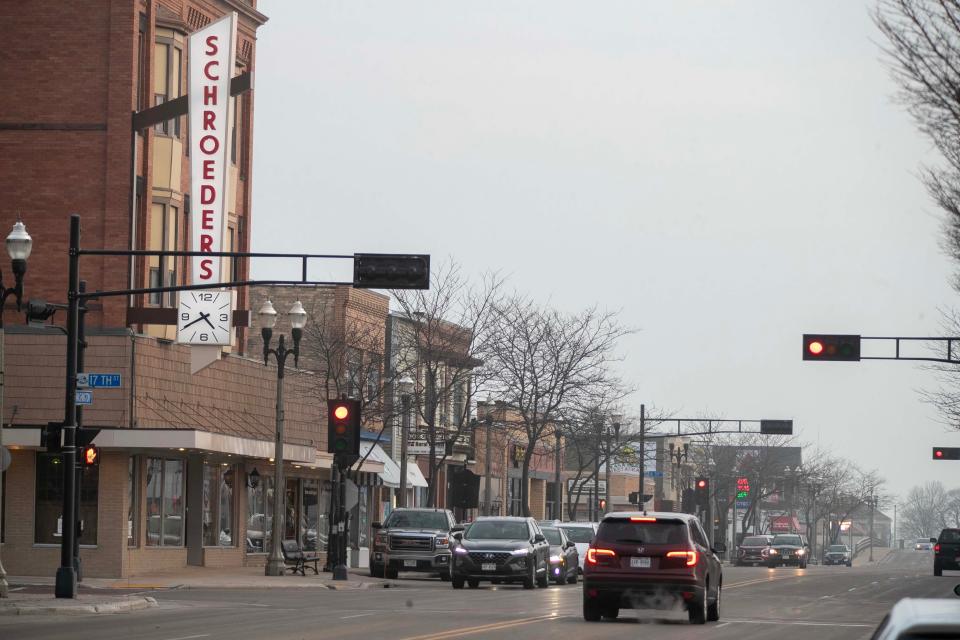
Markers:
<point>564,560</point>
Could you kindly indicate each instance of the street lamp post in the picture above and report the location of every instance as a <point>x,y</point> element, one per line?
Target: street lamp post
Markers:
<point>641,504</point>
<point>615,419</point>
<point>19,245</point>
<point>873,505</point>
<point>268,319</point>
<point>405,385</point>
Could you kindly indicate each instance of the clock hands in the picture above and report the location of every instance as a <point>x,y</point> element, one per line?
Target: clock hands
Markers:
<point>206,316</point>
<point>203,316</point>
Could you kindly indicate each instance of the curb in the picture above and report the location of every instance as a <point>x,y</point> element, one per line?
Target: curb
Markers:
<point>122,606</point>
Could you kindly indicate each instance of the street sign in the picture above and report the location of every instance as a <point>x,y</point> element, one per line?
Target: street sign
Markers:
<point>585,486</point>
<point>653,474</point>
<point>418,448</point>
<point>98,380</point>
<point>743,504</point>
<point>84,397</point>
<point>5,458</point>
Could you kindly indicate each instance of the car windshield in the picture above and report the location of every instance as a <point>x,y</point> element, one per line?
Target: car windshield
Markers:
<point>755,541</point>
<point>579,534</point>
<point>552,536</point>
<point>497,530</point>
<point>659,532</point>
<point>417,520</point>
<point>950,535</point>
<point>786,539</point>
<point>838,547</point>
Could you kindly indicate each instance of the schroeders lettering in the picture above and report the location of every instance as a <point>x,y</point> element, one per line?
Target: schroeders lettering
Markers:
<point>209,145</point>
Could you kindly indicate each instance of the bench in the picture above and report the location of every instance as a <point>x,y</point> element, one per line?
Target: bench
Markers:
<point>298,561</point>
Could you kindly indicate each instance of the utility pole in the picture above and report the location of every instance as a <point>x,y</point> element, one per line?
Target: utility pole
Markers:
<point>643,456</point>
<point>557,480</point>
<point>488,454</point>
<point>873,504</point>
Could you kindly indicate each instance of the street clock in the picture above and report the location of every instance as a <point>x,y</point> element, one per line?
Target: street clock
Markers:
<point>205,317</point>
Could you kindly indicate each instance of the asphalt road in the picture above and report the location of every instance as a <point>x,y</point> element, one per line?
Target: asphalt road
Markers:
<point>783,603</point>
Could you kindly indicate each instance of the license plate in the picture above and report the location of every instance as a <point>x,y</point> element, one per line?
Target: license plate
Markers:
<point>488,566</point>
<point>410,563</point>
<point>641,562</point>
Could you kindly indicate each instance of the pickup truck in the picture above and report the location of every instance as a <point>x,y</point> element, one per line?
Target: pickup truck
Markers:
<point>946,551</point>
<point>412,540</point>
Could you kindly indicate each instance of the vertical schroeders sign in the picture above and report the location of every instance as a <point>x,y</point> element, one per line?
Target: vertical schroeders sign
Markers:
<point>212,59</point>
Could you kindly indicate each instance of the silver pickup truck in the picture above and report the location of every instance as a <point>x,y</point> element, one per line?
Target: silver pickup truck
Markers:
<point>412,540</point>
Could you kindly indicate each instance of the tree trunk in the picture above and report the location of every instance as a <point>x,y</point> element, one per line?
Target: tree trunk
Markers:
<point>525,481</point>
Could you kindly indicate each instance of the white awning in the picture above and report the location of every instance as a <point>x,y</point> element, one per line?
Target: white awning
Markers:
<point>391,470</point>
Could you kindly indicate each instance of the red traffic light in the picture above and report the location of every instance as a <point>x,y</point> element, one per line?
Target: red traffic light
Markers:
<point>815,347</point>
<point>702,483</point>
<point>938,453</point>
<point>831,347</point>
<point>946,453</point>
<point>343,426</point>
<point>341,412</point>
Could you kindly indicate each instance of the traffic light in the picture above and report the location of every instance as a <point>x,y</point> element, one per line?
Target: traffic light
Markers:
<point>343,427</point>
<point>391,271</point>
<point>831,347</point>
<point>603,504</point>
<point>90,456</point>
<point>946,453</point>
<point>701,488</point>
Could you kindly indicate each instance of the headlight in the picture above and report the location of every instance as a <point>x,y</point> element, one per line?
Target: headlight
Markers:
<point>556,559</point>
<point>442,542</point>
<point>773,552</point>
<point>461,551</point>
<point>800,552</point>
<point>520,552</point>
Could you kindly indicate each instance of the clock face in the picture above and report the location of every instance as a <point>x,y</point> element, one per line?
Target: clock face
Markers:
<point>204,317</point>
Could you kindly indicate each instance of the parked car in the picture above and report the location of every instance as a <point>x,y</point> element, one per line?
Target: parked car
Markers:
<point>412,540</point>
<point>838,554</point>
<point>789,548</point>
<point>581,534</point>
<point>913,618</point>
<point>924,544</point>
<point>753,550</point>
<point>501,549</point>
<point>652,561</point>
<point>564,560</point>
<point>946,551</point>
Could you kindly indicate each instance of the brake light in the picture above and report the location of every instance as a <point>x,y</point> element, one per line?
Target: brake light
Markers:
<point>642,519</point>
<point>936,548</point>
<point>691,556</point>
<point>592,554</point>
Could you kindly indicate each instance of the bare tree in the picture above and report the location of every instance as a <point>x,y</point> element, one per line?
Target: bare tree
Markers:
<point>926,510</point>
<point>544,361</point>
<point>444,346</point>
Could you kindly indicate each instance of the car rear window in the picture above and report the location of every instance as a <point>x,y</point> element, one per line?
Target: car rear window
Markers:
<point>658,532</point>
<point>950,535</point>
<point>417,520</point>
<point>552,535</point>
<point>579,534</point>
<point>838,547</point>
<point>755,541</point>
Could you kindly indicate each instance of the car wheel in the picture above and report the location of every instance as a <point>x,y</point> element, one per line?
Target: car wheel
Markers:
<point>391,574</point>
<point>697,609</point>
<point>803,565</point>
<point>543,580</point>
<point>473,584</point>
<point>591,609</point>
<point>937,571</point>
<point>457,582</point>
<point>713,610</point>
<point>445,576</point>
<point>849,564</point>
<point>573,578</point>
<point>772,565</point>
<point>376,570</point>
<point>530,581</point>
<point>611,612</point>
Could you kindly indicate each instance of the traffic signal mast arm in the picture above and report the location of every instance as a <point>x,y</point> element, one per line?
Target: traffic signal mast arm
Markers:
<point>766,427</point>
<point>842,347</point>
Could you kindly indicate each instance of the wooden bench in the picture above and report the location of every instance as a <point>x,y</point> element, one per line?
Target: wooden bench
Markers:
<point>298,561</point>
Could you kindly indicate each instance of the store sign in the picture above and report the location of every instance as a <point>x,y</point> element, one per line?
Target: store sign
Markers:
<point>211,64</point>
<point>743,488</point>
<point>586,486</point>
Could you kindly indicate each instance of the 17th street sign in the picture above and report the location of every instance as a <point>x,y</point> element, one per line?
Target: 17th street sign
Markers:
<point>98,380</point>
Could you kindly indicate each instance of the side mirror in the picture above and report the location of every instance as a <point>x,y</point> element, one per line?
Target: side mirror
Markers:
<point>569,545</point>
<point>457,535</point>
<point>539,538</point>
<point>457,528</point>
<point>956,590</point>
<point>934,540</point>
<point>719,548</point>
<point>376,525</point>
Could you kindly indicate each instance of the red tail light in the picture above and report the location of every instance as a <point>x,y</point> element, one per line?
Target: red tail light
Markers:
<point>691,556</point>
<point>642,519</point>
<point>936,548</point>
<point>592,554</point>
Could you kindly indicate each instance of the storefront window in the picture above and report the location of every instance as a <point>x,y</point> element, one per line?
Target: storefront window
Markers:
<point>217,505</point>
<point>132,485</point>
<point>311,515</point>
<point>165,487</point>
<point>49,505</point>
<point>514,497</point>
<point>259,513</point>
<point>292,508</point>
<point>227,476</point>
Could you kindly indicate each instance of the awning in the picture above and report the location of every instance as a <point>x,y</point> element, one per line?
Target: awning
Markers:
<point>391,470</point>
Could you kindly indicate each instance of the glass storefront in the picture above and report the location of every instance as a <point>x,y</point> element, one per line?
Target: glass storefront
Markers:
<point>259,513</point>
<point>165,502</point>
<point>48,527</point>
<point>218,505</point>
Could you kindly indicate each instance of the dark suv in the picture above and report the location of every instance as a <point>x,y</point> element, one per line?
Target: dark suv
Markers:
<point>754,550</point>
<point>412,540</point>
<point>789,548</point>
<point>652,561</point>
<point>838,554</point>
<point>501,550</point>
<point>946,552</point>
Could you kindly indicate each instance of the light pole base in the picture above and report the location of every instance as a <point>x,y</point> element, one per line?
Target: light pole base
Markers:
<point>340,572</point>
<point>66,584</point>
<point>274,568</point>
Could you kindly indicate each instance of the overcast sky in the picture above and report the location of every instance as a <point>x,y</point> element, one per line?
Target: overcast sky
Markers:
<point>728,174</point>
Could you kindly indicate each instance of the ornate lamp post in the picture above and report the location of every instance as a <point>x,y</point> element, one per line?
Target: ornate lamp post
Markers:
<point>268,319</point>
<point>19,246</point>
<point>405,386</point>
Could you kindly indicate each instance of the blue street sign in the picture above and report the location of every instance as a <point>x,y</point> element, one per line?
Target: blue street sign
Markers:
<point>653,474</point>
<point>98,380</point>
<point>84,397</point>
<point>743,504</point>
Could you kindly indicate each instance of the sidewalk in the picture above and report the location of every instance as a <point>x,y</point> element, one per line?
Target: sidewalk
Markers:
<point>216,578</point>
<point>22,604</point>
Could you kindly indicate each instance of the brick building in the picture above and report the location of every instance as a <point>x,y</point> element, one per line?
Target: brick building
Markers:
<point>186,469</point>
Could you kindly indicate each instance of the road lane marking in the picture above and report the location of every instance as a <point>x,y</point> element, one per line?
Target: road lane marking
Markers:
<point>805,623</point>
<point>202,635</point>
<point>357,615</point>
<point>466,631</point>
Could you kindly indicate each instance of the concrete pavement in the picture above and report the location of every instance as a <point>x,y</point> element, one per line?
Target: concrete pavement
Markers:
<point>782,604</point>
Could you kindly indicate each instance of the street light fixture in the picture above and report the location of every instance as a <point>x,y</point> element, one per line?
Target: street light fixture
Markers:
<point>405,386</point>
<point>268,320</point>
<point>19,246</point>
